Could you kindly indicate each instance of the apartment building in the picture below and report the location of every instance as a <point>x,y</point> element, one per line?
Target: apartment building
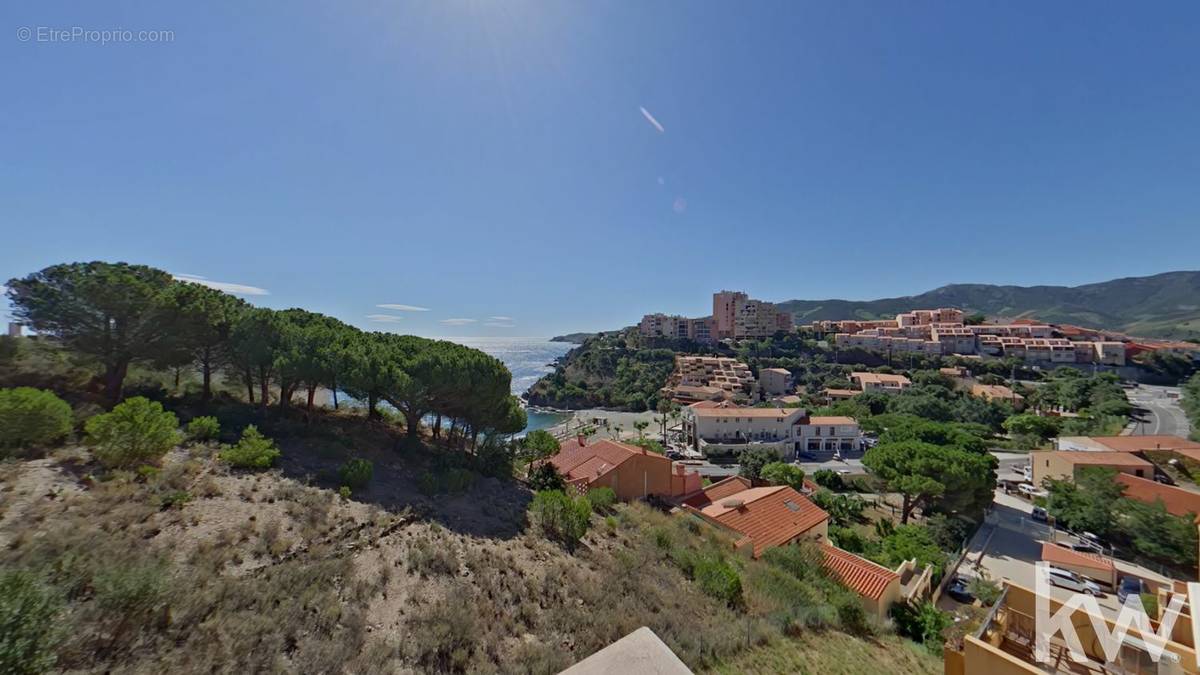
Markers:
<point>774,381</point>
<point>725,312</point>
<point>699,378</point>
<point>924,317</point>
<point>675,326</point>
<point>953,338</point>
<point>896,345</point>
<point>722,429</point>
<point>759,319</point>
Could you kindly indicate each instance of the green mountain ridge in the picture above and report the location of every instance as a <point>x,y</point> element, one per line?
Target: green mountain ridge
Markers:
<point>1163,305</point>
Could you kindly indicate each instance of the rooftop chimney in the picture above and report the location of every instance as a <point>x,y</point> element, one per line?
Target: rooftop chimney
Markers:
<point>581,438</point>
<point>733,503</point>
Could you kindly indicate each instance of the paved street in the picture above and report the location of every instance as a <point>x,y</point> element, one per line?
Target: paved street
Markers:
<point>1162,414</point>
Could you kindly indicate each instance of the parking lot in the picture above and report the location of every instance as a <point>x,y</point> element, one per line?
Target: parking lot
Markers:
<point>1010,545</point>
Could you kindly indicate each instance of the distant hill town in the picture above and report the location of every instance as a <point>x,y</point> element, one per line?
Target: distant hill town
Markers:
<point>1163,305</point>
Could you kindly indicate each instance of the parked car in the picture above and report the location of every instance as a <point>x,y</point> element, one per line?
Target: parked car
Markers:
<point>1129,586</point>
<point>957,589</point>
<point>1073,582</point>
<point>1027,472</point>
<point>1039,514</point>
<point>674,454</point>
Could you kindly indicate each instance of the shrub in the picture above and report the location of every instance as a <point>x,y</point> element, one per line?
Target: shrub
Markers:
<point>782,473</point>
<point>203,429</point>
<point>345,491</point>
<point>718,579</point>
<point>538,444</point>
<point>253,451</point>
<point>828,479</point>
<point>29,628</point>
<point>545,477</point>
<point>135,432</point>
<point>175,498</point>
<point>32,417</point>
<point>986,590</point>
<point>356,473</point>
<point>602,499</point>
<point>561,517</point>
<point>923,623</point>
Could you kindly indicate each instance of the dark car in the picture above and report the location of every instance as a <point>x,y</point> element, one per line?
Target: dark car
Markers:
<point>1038,514</point>
<point>958,590</point>
<point>1129,586</point>
<point>674,454</point>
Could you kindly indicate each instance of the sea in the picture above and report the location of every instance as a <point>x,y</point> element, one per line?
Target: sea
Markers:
<point>528,359</point>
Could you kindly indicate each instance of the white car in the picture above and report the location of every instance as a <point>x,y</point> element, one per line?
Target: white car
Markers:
<point>1073,582</point>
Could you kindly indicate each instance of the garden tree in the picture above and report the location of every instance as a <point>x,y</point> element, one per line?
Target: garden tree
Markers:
<point>907,542</point>
<point>641,426</point>
<point>666,410</point>
<point>752,460</point>
<point>1158,534</point>
<point>926,475</point>
<point>539,444</point>
<point>1087,503</point>
<point>118,313</point>
<point>308,352</point>
<point>207,320</point>
<point>896,428</point>
<point>782,473</point>
<point>1032,425</point>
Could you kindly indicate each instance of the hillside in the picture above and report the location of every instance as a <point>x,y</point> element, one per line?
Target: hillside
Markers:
<point>1164,305</point>
<point>194,567</point>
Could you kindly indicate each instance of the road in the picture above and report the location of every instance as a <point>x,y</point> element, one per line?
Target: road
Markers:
<point>1162,412</point>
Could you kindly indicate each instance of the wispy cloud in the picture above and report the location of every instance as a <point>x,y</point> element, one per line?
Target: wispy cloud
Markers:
<point>505,319</point>
<point>226,286</point>
<point>653,122</point>
<point>680,205</point>
<point>457,322</point>
<point>402,308</point>
<point>384,318</point>
<point>499,324</point>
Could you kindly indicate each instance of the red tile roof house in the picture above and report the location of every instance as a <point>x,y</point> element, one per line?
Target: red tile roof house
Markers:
<point>779,515</point>
<point>632,472</point>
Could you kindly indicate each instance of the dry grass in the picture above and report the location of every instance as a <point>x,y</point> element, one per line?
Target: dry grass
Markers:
<point>259,572</point>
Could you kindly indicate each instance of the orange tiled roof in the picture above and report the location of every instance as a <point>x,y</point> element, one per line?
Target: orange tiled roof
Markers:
<point>1178,502</point>
<point>1100,458</point>
<point>768,516</point>
<point>1139,443</point>
<point>827,421</point>
<point>718,490</point>
<point>864,577</point>
<point>590,461</point>
<point>1053,553</point>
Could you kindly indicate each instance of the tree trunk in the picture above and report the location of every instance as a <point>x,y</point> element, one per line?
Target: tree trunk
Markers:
<point>371,412</point>
<point>905,509</point>
<point>177,369</point>
<point>413,420</point>
<point>437,426</point>
<point>264,386</point>
<point>312,393</point>
<point>333,388</point>
<point>206,372</point>
<point>114,381</point>
<point>249,385</point>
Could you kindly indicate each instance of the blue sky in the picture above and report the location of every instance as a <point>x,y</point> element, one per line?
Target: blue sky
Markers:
<point>492,159</point>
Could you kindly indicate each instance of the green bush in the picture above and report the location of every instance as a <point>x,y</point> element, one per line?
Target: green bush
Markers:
<point>446,481</point>
<point>544,477</point>
<point>253,451</point>
<point>32,417</point>
<point>602,499</point>
<point>203,429</point>
<point>29,627</point>
<point>923,623</point>
<point>135,432</point>
<point>561,517</point>
<point>356,473</point>
<point>718,579</point>
<point>828,479</point>
<point>782,473</point>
